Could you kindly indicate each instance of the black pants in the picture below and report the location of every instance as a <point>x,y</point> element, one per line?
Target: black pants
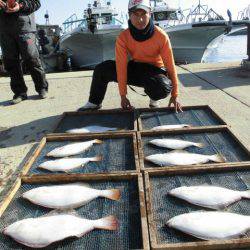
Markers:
<point>16,45</point>
<point>153,79</point>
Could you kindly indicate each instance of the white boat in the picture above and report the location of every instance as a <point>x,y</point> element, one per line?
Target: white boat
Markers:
<point>190,31</point>
<point>91,40</point>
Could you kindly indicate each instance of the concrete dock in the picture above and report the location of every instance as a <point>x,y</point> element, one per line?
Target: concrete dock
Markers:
<point>225,87</point>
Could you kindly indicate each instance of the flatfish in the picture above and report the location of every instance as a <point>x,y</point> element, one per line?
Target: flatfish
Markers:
<point>209,196</point>
<point>67,164</point>
<point>175,144</point>
<point>43,231</point>
<point>68,196</point>
<point>91,129</point>
<point>73,148</point>
<point>181,157</point>
<point>211,225</point>
<point>172,126</point>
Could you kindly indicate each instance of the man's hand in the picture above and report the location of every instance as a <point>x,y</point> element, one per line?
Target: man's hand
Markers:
<point>14,9</point>
<point>177,105</point>
<point>125,103</point>
<point>2,4</point>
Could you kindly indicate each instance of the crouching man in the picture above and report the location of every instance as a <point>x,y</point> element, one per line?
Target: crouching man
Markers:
<point>151,66</point>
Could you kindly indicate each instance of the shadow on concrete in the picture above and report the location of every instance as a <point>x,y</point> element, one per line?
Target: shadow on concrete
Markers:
<point>222,78</point>
<point>31,97</point>
<point>28,132</point>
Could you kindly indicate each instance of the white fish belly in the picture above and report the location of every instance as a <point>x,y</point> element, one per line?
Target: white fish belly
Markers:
<point>41,232</point>
<point>71,149</point>
<point>64,164</point>
<point>92,129</point>
<point>211,225</point>
<point>174,158</point>
<point>215,197</point>
<point>62,196</point>
<point>172,143</point>
<point>174,126</point>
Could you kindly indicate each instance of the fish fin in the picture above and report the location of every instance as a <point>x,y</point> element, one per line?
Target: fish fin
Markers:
<point>217,158</point>
<point>112,194</point>
<point>119,129</point>
<point>98,141</point>
<point>200,145</point>
<point>83,184</point>
<point>178,151</point>
<point>108,223</point>
<point>97,158</point>
<point>187,125</point>
<point>245,194</point>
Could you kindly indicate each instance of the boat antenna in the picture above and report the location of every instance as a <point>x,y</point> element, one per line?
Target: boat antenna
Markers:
<point>46,16</point>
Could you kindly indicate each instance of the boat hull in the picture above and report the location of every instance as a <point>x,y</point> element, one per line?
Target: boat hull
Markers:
<point>87,50</point>
<point>190,43</point>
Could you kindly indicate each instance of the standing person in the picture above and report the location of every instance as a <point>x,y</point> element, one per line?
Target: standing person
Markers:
<point>17,38</point>
<point>152,66</point>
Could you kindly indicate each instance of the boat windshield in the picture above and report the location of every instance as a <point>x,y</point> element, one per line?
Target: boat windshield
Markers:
<point>165,15</point>
<point>106,18</point>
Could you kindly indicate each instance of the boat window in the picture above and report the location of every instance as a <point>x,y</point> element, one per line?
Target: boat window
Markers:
<point>106,18</point>
<point>165,15</point>
<point>95,16</point>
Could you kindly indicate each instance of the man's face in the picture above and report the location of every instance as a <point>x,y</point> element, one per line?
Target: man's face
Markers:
<point>140,18</point>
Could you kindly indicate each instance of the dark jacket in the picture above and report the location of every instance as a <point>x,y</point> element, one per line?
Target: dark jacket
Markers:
<point>21,22</point>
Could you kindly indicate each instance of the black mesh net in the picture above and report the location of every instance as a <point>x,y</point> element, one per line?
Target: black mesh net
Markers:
<point>166,207</point>
<point>195,117</point>
<point>124,121</point>
<point>117,153</point>
<point>214,143</point>
<point>127,211</point>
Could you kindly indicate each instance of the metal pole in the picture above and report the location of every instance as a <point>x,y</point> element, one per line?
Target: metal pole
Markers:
<point>248,41</point>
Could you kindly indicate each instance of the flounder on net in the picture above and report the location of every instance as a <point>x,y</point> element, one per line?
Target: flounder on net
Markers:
<point>91,129</point>
<point>209,196</point>
<point>43,231</point>
<point>67,164</point>
<point>73,148</point>
<point>211,225</point>
<point>181,157</point>
<point>172,126</point>
<point>68,196</point>
<point>175,144</point>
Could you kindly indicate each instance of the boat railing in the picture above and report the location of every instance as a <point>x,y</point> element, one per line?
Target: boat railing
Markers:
<point>72,22</point>
<point>202,13</point>
<point>244,14</point>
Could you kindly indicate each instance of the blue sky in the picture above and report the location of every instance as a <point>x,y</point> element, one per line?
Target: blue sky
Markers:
<point>59,10</point>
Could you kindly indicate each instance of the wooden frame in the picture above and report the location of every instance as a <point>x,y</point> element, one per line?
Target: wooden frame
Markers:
<point>72,137</point>
<point>185,108</point>
<point>42,179</point>
<point>97,112</point>
<point>189,131</point>
<point>198,245</point>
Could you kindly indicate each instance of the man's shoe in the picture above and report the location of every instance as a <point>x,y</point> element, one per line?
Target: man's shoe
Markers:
<point>154,104</point>
<point>90,106</point>
<point>43,94</point>
<point>18,98</point>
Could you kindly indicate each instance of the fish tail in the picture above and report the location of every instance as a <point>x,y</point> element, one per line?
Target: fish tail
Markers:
<point>108,223</point>
<point>200,145</point>
<point>245,194</point>
<point>98,141</point>
<point>218,158</point>
<point>97,158</point>
<point>112,194</point>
